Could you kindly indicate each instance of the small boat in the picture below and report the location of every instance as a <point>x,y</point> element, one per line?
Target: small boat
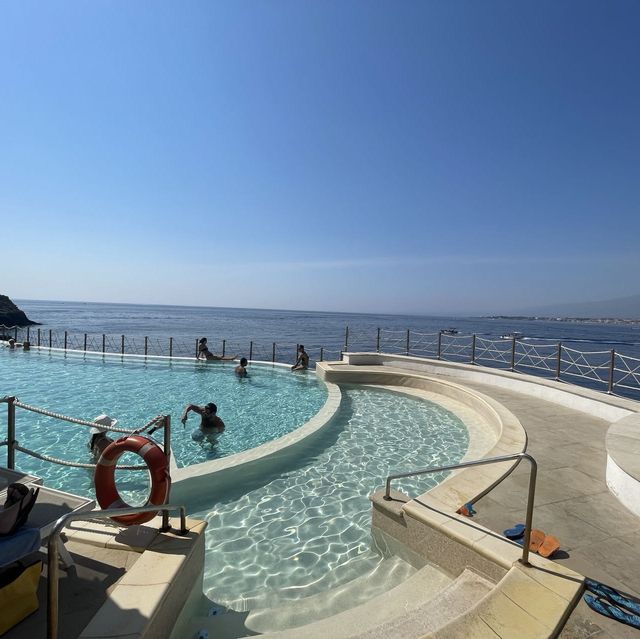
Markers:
<point>449,331</point>
<point>513,335</point>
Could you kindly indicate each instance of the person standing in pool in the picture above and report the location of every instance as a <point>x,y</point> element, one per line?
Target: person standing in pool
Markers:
<point>302,363</point>
<point>241,368</point>
<point>211,426</point>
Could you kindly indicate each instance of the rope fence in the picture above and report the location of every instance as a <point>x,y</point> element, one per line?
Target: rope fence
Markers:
<point>603,370</point>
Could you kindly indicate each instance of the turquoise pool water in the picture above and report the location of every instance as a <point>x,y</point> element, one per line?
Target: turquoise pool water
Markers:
<point>267,405</point>
<point>308,530</point>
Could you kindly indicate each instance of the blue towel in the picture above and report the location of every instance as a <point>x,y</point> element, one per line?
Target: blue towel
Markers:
<point>21,543</point>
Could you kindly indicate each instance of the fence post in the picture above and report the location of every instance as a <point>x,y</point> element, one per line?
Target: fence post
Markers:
<point>378,341</point>
<point>473,349</point>
<point>85,342</point>
<point>104,340</point>
<point>171,347</point>
<point>38,337</point>
<point>11,432</point>
<point>50,338</point>
<point>166,525</point>
<point>513,353</point>
<point>15,333</point>
<point>197,351</point>
<point>341,355</point>
<point>439,344</point>
<point>65,340</point>
<point>322,354</point>
<point>146,345</point>
<point>273,353</point>
<point>224,346</point>
<point>612,368</point>
<point>559,361</point>
<point>346,339</point>
<point>251,350</point>
<point>28,336</point>
<point>407,341</point>
<point>122,344</point>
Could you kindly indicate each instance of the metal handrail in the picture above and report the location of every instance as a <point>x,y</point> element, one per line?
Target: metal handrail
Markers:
<point>483,462</point>
<point>52,545</point>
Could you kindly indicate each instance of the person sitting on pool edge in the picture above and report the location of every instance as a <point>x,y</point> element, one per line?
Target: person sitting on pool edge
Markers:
<point>211,426</point>
<point>99,438</point>
<point>205,353</point>
<point>241,368</point>
<point>302,363</point>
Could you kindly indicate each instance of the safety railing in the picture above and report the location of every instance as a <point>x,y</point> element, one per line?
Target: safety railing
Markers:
<point>160,422</point>
<point>603,370</point>
<point>483,462</point>
<point>53,573</point>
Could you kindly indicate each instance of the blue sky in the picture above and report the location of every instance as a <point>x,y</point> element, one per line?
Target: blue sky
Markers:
<point>421,157</point>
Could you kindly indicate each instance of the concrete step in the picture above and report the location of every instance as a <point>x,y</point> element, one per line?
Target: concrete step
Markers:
<point>384,577</point>
<point>427,599</point>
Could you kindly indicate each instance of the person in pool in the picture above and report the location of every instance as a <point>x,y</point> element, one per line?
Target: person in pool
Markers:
<point>241,368</point>
<point>211,426</point>
<point>205,353</point>
<point>99,438</point>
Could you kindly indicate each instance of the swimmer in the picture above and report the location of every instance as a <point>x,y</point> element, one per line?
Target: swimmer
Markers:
<point>211,426</point>
<point>241,369</point>
<point>99,438</point>
<point>302,363</point>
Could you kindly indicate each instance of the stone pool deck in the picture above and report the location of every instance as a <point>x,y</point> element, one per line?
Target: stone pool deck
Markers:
<point>599,536</point>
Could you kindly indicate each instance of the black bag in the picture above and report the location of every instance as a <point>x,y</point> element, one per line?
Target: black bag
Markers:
<point>20,501</point>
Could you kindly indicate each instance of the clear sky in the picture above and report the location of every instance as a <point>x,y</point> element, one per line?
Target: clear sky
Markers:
<point>421,157</point>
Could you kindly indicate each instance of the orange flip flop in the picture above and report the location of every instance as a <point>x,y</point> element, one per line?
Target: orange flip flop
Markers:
<point>536,540</point>
<point>549,546</point>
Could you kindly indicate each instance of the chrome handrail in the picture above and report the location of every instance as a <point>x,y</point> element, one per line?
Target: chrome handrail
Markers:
<point>52,546</point>
<point>483,462</point>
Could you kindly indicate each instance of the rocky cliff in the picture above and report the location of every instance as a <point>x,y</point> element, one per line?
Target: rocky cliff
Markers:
<point>11,315</point>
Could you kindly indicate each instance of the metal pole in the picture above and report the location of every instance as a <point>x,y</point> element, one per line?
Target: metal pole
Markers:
<point>171,347</point>
<point>122,344</point>
<point>322,354</point>
<point>166,526</point>
<point>103,342</point>
<point>473,349</point>
<point>15,333</point>
<point>85,342</point>
<point>439,344</point>
<point>378,342</point>
<point>197,352</point>
<point>513,353</point>
<point>250,350</point>
<point>11,432</point>
<point>224,346</point>
<point>273,353</point>
<point>38,337</point>
<point>407,341</point>
<point>559,361</point>
<point>50,339</point>
<point>346,339</point>
<point>612,368</point>
<point>65,340</point>
<point>28,336</point>
<point>146,345</point>
<point>529,515</point>
<point>53,574</point>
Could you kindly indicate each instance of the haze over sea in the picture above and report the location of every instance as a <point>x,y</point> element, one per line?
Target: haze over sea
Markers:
<point>314,329</point>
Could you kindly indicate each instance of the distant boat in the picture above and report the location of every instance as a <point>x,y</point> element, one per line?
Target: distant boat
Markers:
<point>513,335</point>
<point>449,331</point>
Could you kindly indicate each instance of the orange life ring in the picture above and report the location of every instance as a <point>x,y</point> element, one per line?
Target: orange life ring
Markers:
<point>106,491</point>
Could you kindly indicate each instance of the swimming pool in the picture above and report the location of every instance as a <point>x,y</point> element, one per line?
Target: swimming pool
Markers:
<point>270,403</point>
<point>307,530</point>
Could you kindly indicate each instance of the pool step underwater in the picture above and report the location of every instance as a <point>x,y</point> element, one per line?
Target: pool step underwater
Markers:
<point>425,601</point>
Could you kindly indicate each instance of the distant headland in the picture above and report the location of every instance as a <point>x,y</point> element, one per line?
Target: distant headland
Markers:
<point>11,315</point>
<point>574,320</point>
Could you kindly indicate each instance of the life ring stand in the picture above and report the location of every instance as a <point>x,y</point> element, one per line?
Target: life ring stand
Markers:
<point>105,483</point>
